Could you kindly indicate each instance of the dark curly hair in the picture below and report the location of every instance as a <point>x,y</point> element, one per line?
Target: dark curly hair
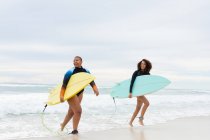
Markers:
<point>148,65</point>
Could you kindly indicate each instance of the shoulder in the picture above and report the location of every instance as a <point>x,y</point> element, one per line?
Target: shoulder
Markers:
<point>135,72</point>
<point>86,70</point>
<point>70,71</point>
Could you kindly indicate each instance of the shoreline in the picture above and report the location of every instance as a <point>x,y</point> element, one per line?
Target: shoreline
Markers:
<point>192,128</point>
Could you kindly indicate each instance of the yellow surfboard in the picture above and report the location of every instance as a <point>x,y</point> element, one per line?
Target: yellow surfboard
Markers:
<point>76,83</point>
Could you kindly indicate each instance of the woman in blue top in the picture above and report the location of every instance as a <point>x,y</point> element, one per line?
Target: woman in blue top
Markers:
<point>75,109</point>
<point>144,67</point>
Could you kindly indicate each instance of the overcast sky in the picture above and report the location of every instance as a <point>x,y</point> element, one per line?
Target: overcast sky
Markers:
<point>39,39</point>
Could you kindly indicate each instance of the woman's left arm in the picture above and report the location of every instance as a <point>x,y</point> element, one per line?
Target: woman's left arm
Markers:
<point>95,88</point>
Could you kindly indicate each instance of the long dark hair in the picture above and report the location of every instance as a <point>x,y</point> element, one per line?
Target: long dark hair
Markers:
<point>148,65</point>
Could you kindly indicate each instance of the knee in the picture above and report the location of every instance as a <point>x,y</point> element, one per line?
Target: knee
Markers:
<point>138,107</point>
<point>70,113</point>
<point>147,104</point>
<point>139,104</point>
<point>78,112</point>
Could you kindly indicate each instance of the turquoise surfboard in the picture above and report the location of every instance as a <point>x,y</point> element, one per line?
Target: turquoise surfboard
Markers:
<point>144,84</point>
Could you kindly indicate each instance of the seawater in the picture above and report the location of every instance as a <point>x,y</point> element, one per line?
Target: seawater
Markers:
<point>21,108</point>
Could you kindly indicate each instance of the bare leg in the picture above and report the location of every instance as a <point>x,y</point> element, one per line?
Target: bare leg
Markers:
<point>68,117</point>
<point>146,105</point>
<point>138,107</point>
<point>77,110</point>
<point>70,114</point>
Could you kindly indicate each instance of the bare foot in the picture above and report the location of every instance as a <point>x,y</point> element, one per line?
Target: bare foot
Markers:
<point>62,127</point>
<point>141,122</point>
<point>130,123</point>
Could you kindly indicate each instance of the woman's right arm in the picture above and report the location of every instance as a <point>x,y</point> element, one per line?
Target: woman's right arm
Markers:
<point>62,92</point>
<point>132,82</point>
<point>65,82</point>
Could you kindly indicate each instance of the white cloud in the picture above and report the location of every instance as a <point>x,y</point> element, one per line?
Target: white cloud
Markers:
<point>40,38</point>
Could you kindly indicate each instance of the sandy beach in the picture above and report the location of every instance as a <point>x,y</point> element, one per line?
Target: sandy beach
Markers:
<point>191,128</point>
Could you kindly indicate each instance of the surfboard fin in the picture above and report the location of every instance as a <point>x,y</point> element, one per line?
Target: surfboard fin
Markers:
<point>44,108</point>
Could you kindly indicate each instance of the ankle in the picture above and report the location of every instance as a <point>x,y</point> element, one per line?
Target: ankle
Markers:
<point>141,118</point>
<point>74,132</point>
